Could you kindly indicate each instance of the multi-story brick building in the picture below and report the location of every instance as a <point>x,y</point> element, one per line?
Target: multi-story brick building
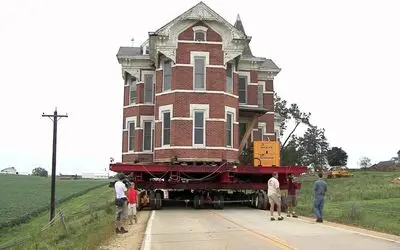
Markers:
<point>193,89</point>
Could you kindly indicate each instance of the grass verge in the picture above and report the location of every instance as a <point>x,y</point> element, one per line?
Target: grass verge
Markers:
<point>367,200</point>
<point>88,219</point>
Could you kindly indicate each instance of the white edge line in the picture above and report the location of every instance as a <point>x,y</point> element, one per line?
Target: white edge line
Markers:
<point>146,244</point>
<point>356,232</point>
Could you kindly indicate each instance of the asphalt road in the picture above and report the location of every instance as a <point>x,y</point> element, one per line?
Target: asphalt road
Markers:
<point>246,228</point>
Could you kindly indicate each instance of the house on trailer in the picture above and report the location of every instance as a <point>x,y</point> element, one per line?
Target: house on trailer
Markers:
<point>194,91</point>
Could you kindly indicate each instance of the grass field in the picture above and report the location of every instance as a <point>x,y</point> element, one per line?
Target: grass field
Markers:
<point>368,199</point>
<point>88,219</point>
<point>23,197</point>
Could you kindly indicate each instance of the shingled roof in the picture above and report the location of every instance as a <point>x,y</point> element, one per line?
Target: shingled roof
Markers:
<point>239,25</point>
<point>129,51</point>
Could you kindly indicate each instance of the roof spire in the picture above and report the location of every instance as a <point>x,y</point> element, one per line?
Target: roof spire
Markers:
<point>238,18</point>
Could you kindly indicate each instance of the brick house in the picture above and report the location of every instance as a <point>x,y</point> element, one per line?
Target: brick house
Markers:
<point>195,91</point>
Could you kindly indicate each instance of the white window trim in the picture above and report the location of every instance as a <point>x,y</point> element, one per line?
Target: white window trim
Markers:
<point>247,74</point>
<point>150,119</point>
<point>264,88</point>
<point>170,62</point>
<point>129,84</point>
<point>161,110</point>
<point>206,55</point>
<point>197,91</point>
<point>196,148</point>
<point>233,76</point>
<point>231,128</point>
<point>263,126</point>
<point>200,29</point>
<point>148,72</point>
<point>128,121</point>
<point>206,109</point>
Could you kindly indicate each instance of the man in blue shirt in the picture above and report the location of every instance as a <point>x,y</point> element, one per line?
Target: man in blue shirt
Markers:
<point>320,189</point>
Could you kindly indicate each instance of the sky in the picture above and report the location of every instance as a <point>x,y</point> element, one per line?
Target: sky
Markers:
<point>339,61</point>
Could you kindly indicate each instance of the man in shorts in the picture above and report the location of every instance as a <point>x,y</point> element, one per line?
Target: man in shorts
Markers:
<point>121,201</point>
<point>132,199</point>
<point>291,198</point>
<point>274,196</point>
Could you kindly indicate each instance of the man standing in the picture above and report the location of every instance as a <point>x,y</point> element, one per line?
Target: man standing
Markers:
<point>274,196</point>
<point>120,202</point>
<point>291,198</point>
<point>132,198</point>
<point>320,189</point>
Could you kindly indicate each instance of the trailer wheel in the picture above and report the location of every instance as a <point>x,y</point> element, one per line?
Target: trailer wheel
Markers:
<point>221,198</point>
<point>196,201</point>
<point>217,202</point>
<point>265,203</point>
<point>152,198</point>
<point>158,201</point>
<point>259,200</point>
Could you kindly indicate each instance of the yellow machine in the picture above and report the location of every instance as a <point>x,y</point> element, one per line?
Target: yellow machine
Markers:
<point>337,172</point>
<point>266,153</point>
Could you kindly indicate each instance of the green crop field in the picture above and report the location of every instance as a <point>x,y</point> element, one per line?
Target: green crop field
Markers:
<point>24,197</point>
<point>368,199</point>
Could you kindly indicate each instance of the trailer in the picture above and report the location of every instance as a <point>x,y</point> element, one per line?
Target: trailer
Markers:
<point>205,185</point>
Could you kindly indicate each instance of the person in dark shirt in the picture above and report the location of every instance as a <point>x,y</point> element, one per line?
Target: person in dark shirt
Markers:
<point>320,189</point>
<point>291,198</point>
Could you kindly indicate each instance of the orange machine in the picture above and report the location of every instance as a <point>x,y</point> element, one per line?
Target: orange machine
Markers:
<point>266,153</point>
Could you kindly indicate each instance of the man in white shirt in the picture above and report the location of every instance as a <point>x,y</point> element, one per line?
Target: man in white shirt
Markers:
<point>274,196</point>
<point>120,202</point>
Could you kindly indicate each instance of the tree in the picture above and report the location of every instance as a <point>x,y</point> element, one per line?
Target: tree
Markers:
<point>292,155</point>
<point>314,148</point>
<point>337,157</point>
<point>364,162</point>
<point>40,172</point>
<point>287,114</point>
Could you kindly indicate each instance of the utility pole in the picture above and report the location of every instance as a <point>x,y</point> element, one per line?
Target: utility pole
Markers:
<point>55,117</point>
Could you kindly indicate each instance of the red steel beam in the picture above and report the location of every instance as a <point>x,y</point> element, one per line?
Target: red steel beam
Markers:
<point>240,169</point>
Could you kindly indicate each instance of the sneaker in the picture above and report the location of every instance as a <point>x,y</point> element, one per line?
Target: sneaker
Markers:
<point>280,218</point>
<point>272,218</point>
<point>319,220</point>
<point>288,215</point>
<point>117,230</point>
<point>294,216</point>
<point>122,230</point>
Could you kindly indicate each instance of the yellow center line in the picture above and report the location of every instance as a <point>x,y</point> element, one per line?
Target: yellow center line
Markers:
<point>274,240</point>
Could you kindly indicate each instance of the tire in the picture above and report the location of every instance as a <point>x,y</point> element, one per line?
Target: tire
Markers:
<point>222,199</point>
<point>158,202</point>
<point>216,205</point>
<point>260,198</point>
<point>201,202</point>
<point>152,197</point>
<point>196,201</point>
<point>265,203</point>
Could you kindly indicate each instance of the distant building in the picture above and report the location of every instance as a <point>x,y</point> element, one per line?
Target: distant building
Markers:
<point>10,170</point>
<point>69,177</point>
<point>95,176</point>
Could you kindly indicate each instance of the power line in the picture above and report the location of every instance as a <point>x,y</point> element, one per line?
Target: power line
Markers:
<point>54,117</point>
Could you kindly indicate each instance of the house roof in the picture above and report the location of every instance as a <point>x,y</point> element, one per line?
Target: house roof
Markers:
<point>203,13</point>
<point>239,25</point>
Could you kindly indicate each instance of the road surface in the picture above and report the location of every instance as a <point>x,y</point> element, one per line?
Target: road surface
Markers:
<point>245,228</point>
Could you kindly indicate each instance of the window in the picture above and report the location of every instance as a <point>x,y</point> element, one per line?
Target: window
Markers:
<point>229,129</point>
<point>261,95</point>
<point>166,140</point>
<point>167,75</point>
<point>199,36</point>
<point>131,136</point>
<point>147,136</point>
<point>199,73</point>
<point>229,78</point>
<point>148,88</point>
<point>198,128</point>
<point>261,133</point>
<point>243,89</point>
<point>132,91</point>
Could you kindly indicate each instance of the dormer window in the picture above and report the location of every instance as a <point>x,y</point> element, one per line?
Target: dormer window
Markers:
<point>145,48</point>
<point>200,33</point>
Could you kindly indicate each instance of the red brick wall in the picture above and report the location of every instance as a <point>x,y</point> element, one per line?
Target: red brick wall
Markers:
<point>181,133</point>
<point>252,94</point>
<point>196,153</point>
<point>137,111</point>
<point>139,92</point>
<point>140,157</point>
<point>159,80</point>
<point>182,77</point>
<point>269,85</point>
<point>183,52</point>
<point>126,95</point>
<point>216,79</point>
<point>211,35</point>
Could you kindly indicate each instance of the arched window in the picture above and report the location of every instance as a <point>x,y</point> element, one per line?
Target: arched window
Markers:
<point>200,33</point>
